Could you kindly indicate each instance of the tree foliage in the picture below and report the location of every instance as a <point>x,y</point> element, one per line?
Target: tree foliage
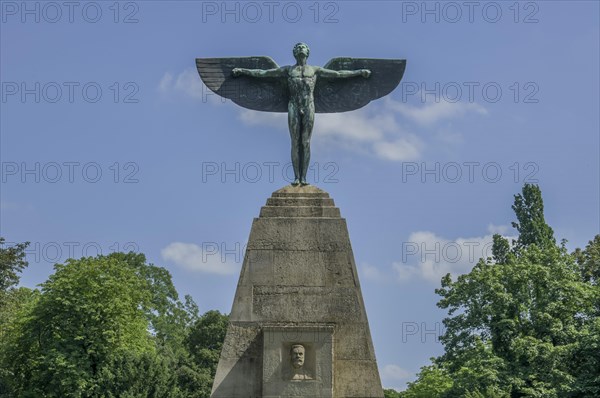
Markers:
<point>391,393</point>
<point>90,311</point>
<point>525,324</point>
<point>12,300</point>
<point>110,326</point>
<point>531,225</point>
<point>206,338</point>
<point>588,261</point>
<point>12,262</point>
<point>432,382</point>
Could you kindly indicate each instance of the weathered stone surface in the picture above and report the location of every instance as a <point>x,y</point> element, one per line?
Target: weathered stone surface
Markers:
<point>290,234</point>
<point>356,378</point>
<point>300,211</point>
<point>300,191</point>
<point>300,201</point>
<point>305,304</point>
<point>341,270</point>
<point>298,276</point>
<point>356,345</point>
<point>240,360</point>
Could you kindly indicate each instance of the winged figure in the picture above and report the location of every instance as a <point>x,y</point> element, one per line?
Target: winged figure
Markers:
<point>301,90</point>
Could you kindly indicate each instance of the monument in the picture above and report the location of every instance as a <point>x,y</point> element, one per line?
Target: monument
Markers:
<point>298,325</point>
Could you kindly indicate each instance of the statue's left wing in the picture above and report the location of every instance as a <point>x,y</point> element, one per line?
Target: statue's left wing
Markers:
<point>346,94</point>
<point>261,94</point>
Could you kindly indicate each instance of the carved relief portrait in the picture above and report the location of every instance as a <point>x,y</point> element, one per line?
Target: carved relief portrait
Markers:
<point>298,370</point>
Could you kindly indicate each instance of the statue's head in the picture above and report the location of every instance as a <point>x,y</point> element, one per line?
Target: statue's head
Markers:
<point>297,352</point>
<point>301,48</point>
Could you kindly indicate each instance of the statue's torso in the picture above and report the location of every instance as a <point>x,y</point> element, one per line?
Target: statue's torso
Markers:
<point>301,84</point>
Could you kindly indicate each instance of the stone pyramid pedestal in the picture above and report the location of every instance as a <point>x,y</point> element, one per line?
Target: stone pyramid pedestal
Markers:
<point>298,322</point>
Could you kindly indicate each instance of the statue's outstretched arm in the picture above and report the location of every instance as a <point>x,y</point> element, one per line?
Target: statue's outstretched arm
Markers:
<point>330,73</point>
<point>275,72</point>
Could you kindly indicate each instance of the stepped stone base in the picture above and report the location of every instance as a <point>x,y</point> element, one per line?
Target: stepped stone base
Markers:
<point>298,287</point>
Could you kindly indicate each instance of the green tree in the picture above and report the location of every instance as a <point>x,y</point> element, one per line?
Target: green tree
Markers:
<point>188,344</point>
<point>391,393</point>
<point>206,338</point>
<point>586,363</point>
<point>204,343</point>
<point>12,262</point>
<point>110,326</point>
<point>432,382</point>
<point>89,313</point>
<point>168,317</point>
<point>586,356</point>
<point>501,252</point>
<point>524,325</point>
<point>588,261</point>
<point>17,305</point>
<point>529,315</point>
<point>12,302</point>
<point>532,227</point>
<point>131,375</point>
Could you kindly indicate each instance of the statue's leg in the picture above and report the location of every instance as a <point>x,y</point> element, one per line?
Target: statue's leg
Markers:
<point>294,126</point>
<point>308,121</point>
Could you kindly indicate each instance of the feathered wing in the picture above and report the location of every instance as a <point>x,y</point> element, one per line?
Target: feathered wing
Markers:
<point>347,94</point>
<point>260,94</point>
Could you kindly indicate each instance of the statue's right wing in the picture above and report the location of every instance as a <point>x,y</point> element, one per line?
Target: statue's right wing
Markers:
<point>267,94</point>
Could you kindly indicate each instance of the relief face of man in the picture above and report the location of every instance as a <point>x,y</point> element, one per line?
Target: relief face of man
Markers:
<point>298,371</point>
<point>298,352</point>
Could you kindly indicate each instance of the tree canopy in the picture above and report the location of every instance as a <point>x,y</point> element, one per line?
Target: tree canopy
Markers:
<point>523,323</point>
<point>109,326</point>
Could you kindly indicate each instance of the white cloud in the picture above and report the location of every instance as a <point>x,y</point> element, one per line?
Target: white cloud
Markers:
<point>271,119</point>
<point>357,125</point>
<point>395,372</point>
<point>373,128</point>
<point>497,229</point>
<point>376,128</point>
<point>371,272</point>
<point>188,84</point>
<point>431,113</point>
<point>404,149</point>
<point>166,83</point>
<point>194,258</point>
<point>429,256</point>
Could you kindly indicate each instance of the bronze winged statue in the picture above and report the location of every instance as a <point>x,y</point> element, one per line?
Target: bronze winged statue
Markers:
<point>301,90</point>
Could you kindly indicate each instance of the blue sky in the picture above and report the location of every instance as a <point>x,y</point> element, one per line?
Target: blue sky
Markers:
<point>110,142</point>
